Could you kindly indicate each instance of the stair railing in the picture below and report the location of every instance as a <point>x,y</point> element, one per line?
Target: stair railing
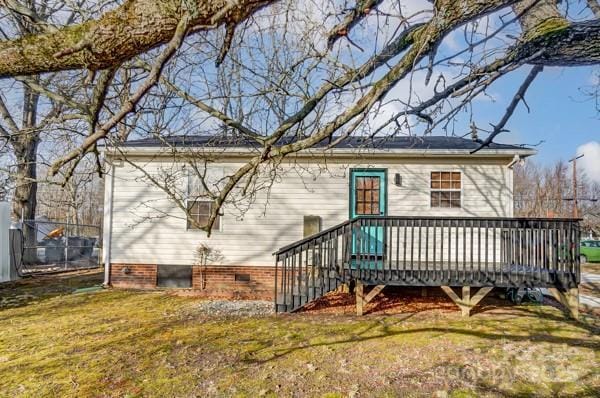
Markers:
<point>313,266</point>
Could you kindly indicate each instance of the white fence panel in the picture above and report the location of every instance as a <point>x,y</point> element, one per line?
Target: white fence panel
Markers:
<point>5,273</point>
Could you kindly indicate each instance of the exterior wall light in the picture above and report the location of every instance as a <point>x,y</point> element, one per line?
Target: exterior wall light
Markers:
<point>398,180</point>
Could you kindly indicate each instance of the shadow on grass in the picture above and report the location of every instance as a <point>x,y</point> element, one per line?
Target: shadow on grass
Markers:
<point>141,328</point>
<point>378,330</point>
<point>507,381</point>
<point>39,288</point>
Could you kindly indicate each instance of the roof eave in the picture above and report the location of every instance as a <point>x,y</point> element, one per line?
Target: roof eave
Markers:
<point>244,151</point>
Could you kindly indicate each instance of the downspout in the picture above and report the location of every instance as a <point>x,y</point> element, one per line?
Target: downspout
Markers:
<point>514,161</point>
<point>108,215</point>
<point>510,184</point>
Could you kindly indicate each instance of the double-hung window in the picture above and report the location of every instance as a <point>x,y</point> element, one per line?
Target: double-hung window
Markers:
<point>200,203</point>
<point>446,189</point>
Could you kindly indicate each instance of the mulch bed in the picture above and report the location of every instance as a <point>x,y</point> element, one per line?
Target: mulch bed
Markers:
<point>395,300</point>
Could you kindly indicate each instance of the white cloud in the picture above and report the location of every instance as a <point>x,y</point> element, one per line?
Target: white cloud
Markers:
<point>590,163</point>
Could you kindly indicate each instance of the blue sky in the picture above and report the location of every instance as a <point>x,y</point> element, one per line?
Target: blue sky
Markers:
<point>560,113</point>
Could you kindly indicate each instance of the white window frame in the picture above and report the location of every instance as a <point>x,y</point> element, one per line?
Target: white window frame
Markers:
<point>431,190</point>
<point>189,199</point>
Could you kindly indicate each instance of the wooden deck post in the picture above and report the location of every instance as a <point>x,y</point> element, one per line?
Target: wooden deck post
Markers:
<point>465,308</point>
<point>362,299</point>
<point>359,290</point>
<point>569,299</point>
<point>466,302</point>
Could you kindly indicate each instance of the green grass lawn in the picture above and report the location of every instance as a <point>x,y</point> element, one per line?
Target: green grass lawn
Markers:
<point>130,344</point>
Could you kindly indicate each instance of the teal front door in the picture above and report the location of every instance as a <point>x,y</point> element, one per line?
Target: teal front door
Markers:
<point>368,200</point>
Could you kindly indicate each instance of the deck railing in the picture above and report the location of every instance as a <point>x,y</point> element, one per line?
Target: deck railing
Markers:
<point>430,251</point>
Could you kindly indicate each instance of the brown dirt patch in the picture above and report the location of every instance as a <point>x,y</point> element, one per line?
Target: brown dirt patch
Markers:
<point>397,300</point>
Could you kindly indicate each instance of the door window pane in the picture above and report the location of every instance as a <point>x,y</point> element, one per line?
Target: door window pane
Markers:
<point>367,196</point>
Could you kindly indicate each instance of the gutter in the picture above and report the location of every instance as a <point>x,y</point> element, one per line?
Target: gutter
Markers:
<point>511,184</point>
<point>108,216</point>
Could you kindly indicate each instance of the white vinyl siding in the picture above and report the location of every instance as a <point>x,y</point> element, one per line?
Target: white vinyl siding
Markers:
<point>147,228</point>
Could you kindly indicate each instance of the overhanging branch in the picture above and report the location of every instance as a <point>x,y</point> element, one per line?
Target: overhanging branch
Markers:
<point>518,97</point>
<point>129,105</point>
<point>119,35</point>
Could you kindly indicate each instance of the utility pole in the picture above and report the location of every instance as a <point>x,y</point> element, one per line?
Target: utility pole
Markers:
<point>574,160</point>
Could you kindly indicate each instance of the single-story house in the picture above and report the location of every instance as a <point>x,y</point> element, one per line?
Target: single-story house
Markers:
<point>326,213</point>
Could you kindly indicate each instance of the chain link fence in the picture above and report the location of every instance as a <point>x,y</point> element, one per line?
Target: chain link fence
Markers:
<point>50,246</point>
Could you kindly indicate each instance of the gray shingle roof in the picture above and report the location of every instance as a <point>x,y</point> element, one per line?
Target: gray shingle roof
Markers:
<point>400,142</point>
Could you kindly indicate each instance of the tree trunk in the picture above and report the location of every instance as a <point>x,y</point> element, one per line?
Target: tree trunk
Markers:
<point>25,146</point>
<point>536,12</point>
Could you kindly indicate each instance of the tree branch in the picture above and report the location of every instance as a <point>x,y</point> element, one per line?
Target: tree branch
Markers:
<point>26,12</point>
<point>99,94</point>
<point>595,7</point>
<point>209,109</point>
<point>40,89</point>
<point>354,16</point>
<point>519,96</point>
<point>397,46</point>
<point>119,35</point>
<point>7,117</point>
<point>129,105</point>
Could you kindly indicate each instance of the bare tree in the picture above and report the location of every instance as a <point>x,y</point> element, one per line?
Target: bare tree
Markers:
<point>37,111</point>
<point>548,192</point>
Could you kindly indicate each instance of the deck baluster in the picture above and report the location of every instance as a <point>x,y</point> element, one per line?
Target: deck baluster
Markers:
<point>426,271</point>
<point>379,250</point>
<point>434,273</point>
<point>404,235</point>
<point>397,262</point>
<point>419,267</point>
<point>441,271</point>
<point>412,249</point>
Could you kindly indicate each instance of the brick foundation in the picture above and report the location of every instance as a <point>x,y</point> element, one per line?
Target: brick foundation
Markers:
<point>136,276</point>
<point>235,282</point>
<point>220,281</point>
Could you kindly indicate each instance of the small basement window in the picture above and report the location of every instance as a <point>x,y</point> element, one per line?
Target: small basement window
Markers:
<point>446,189</point>
<point>174,276</point>
<point>242,277</point>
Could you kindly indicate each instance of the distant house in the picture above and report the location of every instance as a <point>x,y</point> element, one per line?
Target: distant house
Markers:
<point>380,184</point>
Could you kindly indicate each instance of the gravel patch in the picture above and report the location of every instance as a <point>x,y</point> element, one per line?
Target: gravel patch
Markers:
<point>237,307</point>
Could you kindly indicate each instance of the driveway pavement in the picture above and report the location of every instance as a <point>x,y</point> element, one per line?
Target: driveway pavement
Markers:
<point>586,277</point>
<point>585,299</point>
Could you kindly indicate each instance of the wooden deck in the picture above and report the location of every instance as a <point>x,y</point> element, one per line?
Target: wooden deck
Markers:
<point>430,251</point>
